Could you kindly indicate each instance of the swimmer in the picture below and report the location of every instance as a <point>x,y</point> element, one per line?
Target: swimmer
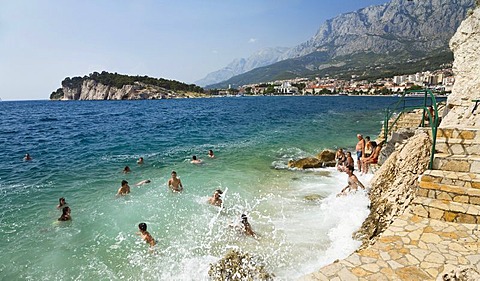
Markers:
<point>143,182</point>
<point>210,154</point>
<point>215,199</point>
<point>353,182</point>
<point>126,170</point>
<point>61,203</point>
<point>27,157</point>
<point>145,234</point>
<point>140,161</point>
<point>247,228</point>
<point>174,183</point>
<point>65,214</point>
<point>195,160</point>
<point>124,189</point>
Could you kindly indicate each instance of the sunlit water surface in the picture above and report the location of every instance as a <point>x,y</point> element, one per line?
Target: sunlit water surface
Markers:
<point>80,148</point>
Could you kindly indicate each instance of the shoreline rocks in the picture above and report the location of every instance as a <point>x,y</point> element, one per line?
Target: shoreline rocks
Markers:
<point>326,158</point>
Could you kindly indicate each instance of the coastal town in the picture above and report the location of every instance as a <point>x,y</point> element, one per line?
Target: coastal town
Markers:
<point>440,81</point>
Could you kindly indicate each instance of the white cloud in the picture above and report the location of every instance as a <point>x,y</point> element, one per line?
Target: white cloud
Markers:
<point>252,40</point>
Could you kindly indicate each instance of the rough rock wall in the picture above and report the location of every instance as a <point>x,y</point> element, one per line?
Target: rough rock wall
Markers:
<point>465,45</point>
<point>92,90</point>
<point>394,184</point>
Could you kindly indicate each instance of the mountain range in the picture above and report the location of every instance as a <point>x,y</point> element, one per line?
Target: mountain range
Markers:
<point>375,41</point>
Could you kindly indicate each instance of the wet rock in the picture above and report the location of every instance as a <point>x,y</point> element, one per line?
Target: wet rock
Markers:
<point>326,156</point>
<point>461,274</point>
<point>236,265</point>
<point>305,163</point>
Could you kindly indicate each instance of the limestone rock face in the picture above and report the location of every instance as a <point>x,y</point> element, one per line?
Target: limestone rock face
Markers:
<point>465,45</point>
<point>393,186</point>
<point>239,266</point>
<point>92,90</point>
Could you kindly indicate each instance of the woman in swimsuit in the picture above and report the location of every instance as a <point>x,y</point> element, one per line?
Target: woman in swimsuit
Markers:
<point>373,159</point>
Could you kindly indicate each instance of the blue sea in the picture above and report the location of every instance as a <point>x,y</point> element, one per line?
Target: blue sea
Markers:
<point>79,149</point>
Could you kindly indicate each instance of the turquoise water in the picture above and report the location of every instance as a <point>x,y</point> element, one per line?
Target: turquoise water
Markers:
<point>80,148</point>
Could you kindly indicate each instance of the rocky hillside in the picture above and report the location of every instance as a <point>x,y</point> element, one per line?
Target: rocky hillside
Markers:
<point>238,66</point>
<point>113,86</point>
<point>377,38</point>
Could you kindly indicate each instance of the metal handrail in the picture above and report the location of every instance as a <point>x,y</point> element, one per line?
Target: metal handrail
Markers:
<point>400,107</point>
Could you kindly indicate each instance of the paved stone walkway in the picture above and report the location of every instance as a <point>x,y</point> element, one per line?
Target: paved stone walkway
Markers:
<point>412,248</point>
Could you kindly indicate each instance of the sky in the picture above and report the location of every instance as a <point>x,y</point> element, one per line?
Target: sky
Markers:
<point>44,41</point>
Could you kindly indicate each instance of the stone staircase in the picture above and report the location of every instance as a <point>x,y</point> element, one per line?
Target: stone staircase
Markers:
<point>411,119</point>
<point>451,191</point>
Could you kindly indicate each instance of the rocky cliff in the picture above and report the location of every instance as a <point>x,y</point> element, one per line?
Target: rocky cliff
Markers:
<point>403,32</point>
<point>93,90</point>
<point>395,26</point>
<point>394,184</point>
<point>113,86</point>
<point>465,44</point>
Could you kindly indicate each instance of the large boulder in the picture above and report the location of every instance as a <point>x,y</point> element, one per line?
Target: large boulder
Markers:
<point>326,156</point>
<point>236,265</point>
<point>305,163</point>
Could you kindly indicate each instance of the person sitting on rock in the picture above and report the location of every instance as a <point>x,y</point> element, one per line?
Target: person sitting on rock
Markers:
<point>373,159</point>
<point>340,159</point>
<point>353,182</point>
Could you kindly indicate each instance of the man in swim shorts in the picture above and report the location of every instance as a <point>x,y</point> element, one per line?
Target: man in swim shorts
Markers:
<point>174,183</point>
<point>360,148</point>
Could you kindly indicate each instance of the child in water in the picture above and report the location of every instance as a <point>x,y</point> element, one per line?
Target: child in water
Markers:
<point>145,234</point>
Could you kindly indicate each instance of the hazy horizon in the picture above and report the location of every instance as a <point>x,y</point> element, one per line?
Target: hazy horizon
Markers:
<point>43,42</point>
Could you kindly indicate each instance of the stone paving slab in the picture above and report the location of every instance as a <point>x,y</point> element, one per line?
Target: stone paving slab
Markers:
<point>449,192</point>
<point>411,248</point>
<point>457,163</point>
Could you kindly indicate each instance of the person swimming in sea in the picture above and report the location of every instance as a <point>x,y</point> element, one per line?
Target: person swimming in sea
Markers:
<point>145,234</point>
<point>140,161</point>
<point>126,170</point>
<point>210,154</point>
<point>247,228</point>
<point>65,214</point>
<point>195,160</point>
<point>124,189</point>
<point>353,182</point>
<point>61,203</point>
<point>174,183</point>
<point>143,182</point>
<point>215,200</point>
<point>27,157</point>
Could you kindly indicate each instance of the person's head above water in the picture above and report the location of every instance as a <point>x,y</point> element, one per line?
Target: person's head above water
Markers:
<point>218,193</point>
<point>124,182</point>
<point>66,211</point>
<point>194,157</point>
<point>142,226</point>
<point>244,218</point>
<point>61,200</point>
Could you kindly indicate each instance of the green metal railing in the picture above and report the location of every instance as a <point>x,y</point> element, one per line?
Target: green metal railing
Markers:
<point>427,102</point>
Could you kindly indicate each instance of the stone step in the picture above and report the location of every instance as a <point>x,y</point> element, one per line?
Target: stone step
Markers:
<point>458,146</point>
<point>445,210</point>
<point>449,192</point>
<point>459,133</point>
<point>466,180</point>
<point>457,163</point>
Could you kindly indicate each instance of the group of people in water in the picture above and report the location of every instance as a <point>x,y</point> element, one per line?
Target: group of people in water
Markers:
<point>175,185</point>
<point>367,153</point>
